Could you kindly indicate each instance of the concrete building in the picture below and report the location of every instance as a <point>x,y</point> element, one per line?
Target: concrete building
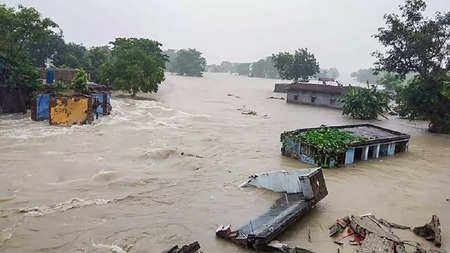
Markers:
<point>375,142</point>
<point>320,94</point>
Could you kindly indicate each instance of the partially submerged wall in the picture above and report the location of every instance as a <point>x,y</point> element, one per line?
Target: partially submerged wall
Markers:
<point>14,100</point>
<point>67,111</point>
<point>314,98</point>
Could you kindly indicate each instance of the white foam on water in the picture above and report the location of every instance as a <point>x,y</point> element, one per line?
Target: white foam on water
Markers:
<point>62,207</point>
<point>114,248</point>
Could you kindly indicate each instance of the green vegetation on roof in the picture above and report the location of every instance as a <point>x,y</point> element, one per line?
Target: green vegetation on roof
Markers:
<point>328,142</point>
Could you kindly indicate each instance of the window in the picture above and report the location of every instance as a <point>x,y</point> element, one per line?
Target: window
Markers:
<point>295,97</point>
<point>313,99</point>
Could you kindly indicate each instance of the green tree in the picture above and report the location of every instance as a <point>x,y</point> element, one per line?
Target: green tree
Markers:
<point>72,55</point>
<point>171,55</point>
<point>264,68</point>
<point>24,43</point>
<point>80,81</point>
<point>419,45</point>
<point>391,81</point>
<point>365,103</point>
<point>136,65</point>
<point>95,58</point>
<point>189,62</point>
<point>365,75</point>
<point>300,65</point>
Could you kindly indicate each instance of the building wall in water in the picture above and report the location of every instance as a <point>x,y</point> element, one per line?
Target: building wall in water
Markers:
<point>67,111</point>
<point>314,98</point>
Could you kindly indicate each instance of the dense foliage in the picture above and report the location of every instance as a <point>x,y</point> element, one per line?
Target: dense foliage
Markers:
<point>426,98</point>
<point>24,43</point>
<point>264,68</point>
<point>391,81</point>
<point>300,65</point>
<point>365,103</point>
<point>188,62</point>
<point>415,44</point>
<point>328,143</point>
<point>136,65</point>
<point>80,81</point>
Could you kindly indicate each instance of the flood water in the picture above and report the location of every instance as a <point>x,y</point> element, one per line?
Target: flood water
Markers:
<point>122,185</point>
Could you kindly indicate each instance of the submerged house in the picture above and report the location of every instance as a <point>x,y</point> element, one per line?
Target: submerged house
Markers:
<point>69,108</point>
<point>369,142</point>
<point>321,94</point>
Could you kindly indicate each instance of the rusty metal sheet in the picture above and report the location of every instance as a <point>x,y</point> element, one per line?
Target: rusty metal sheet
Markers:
<point>67,111</point>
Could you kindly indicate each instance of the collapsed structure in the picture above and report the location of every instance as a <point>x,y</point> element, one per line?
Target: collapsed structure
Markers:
<point>375,235</point>
<point>302,190</point>
<point>363,142</point>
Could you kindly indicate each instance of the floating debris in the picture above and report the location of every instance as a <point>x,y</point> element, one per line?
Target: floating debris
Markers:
<point>430,231</point>
<point>191,155</point>
<point>302,190</point>
<point>279,98</point>
<point>374,235</point>
<point>189,248</point>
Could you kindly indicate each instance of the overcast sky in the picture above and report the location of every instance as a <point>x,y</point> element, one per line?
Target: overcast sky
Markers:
<point>338,32</point>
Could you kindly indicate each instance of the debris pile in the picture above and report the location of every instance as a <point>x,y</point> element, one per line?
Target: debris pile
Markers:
<point>302,190</point>
<point>374,235</point>
<point>189,248</point>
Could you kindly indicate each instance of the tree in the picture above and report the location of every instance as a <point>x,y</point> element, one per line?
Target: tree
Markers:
<point>242,69</point>
<point>189,62</point>
<point>419,45</point>
<point>391,81</point>
<point>72,55</point>
<point>365,75</point>
<point>80,81</point>
<point>365,103</point>
<point>95,57</point>
<point>171,55</point>
<point>24,43</point>
<point>328,73</point>
<point>264,68</point>
<point>136,65</point>
<point>300,65</point>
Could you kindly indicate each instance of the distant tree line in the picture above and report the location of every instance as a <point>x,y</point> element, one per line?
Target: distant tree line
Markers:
<point>187,62</point>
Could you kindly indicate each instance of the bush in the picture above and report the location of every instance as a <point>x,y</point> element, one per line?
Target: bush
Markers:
<point>80,81</point>
<point>365,103</point>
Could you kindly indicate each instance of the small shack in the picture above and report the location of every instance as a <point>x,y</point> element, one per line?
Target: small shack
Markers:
<point>68,107</point>
<point>341,145</point>
<point>320,94</point>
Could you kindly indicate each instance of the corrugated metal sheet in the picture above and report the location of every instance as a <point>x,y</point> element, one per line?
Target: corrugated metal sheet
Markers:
<point>280,181</point>
<point>67,111</point>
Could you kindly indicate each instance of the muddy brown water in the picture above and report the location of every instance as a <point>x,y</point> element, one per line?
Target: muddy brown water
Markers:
<point>122,184</point>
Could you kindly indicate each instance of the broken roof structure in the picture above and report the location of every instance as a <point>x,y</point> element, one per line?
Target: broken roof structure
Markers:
<point>372,143</point>
<point>302,190</point>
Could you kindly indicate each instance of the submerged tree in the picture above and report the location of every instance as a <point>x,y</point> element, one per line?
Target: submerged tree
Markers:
<point>419,45</point>
<point>365,103</point>
<point>300,65</point>
<point>136,65</point>
<point>189,62</point>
